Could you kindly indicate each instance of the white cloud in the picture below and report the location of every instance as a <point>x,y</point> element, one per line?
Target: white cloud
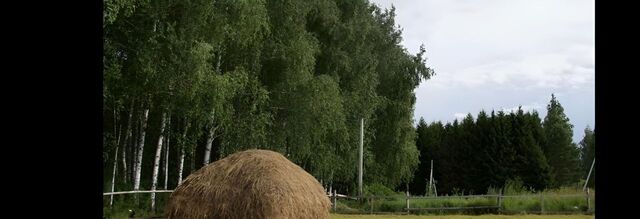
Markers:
<point>551,70</point>
<point>543,43</point>
<point>526,108</point>
<point>496,54</point>
<point>459,116</point>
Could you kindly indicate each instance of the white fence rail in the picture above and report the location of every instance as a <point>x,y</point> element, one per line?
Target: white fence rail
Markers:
<point>133,192</point>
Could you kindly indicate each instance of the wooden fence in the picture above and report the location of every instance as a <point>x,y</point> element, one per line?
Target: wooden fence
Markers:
<point>499,206</point>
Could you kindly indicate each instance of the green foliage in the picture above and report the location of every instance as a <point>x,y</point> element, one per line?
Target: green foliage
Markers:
<point>378,189</point>
<point>560,152</point>
<point>473,156</point>
<point>515,187</point>
<point>291,76</point>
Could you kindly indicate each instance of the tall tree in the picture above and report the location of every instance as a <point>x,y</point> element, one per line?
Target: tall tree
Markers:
<point>125,145</point>
<point>182,144</point>
<point>394,151</point>
<point>484,159</point>
<point>421,174</point>
<point>156,162</point>
<point>165,168</point>
<point>530,164</point>
<point>140,150</point>
<point>558,148</point>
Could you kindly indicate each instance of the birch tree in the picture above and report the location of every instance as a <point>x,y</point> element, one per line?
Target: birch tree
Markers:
<point>166,156</point>
<point>181,144</point>
<point>211,136</point>
<point>138,162</point>
<point>156,162</point>
<point>125,141</point>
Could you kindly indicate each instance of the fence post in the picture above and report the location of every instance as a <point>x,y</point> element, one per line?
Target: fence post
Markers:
<point>335,201</point>
<point>588,202</point>
<point>371,204</point>
<point>500,201</point>
<point>541,203</point>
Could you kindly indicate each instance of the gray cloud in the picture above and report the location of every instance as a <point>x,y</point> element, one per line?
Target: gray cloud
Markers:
<point>497,54</point>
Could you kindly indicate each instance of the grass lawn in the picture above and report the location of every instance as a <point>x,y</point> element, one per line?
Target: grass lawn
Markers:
<point>348,216</point>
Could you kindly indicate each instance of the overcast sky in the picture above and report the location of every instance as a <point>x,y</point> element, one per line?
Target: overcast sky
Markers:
<point>500,54</point>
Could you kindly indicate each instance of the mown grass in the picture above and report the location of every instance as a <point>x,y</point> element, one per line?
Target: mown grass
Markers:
<point>553,200</point>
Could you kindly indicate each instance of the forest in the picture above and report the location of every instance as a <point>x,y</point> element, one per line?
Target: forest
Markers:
<point>186,83</point>
<point>474,155</point>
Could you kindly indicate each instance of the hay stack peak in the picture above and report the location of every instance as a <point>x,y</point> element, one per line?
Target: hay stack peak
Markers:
<point>249,184</point>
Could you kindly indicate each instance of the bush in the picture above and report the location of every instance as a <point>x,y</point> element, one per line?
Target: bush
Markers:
<point>379,190</point>
<point>514,187</point>
<point>390,207</point>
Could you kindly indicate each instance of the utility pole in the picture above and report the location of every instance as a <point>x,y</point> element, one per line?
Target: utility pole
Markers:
<point>360,155</point>
<point>431,178</point>
<point>585,185</point>
<point>589,176</point>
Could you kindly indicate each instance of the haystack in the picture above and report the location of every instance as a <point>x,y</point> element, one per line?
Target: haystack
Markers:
<point>249,184</point>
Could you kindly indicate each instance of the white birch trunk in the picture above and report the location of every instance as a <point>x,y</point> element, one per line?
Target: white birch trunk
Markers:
<point>181,166</point>
<point>138,163</point>
<point>118,133</point>
<point>113,178</point>
<point>134,150</point>
<point>134,153</point>
<point>124,164</point>
<point>156,162</point>
<point>127,136</point>
<point>207,150</point>
<point>166,155</point>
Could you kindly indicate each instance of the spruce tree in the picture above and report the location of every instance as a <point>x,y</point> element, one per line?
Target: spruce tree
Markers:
<point>558,148</point>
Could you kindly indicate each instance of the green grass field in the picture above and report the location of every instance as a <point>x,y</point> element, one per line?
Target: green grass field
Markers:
<point>347,216</point>
<point>567,200</point>
<point>555,206</point>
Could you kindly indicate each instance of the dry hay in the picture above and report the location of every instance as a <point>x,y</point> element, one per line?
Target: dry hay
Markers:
<point>249,184</point>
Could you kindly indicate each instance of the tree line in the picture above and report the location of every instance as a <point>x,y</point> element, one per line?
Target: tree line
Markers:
<point>188,82</point>
<point>472,156</point>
